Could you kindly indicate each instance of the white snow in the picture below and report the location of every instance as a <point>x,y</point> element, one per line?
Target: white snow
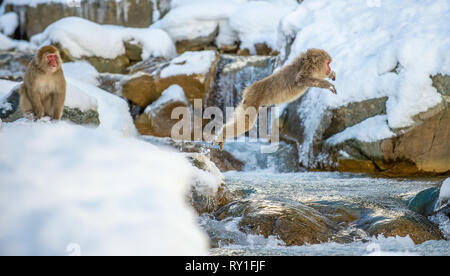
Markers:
<point>6,86</point>
<point>86,38</point>
<point>238,20</point>
<point>369,130</point>
<point>34,3</point>
<point>9,23</point>
<point>65,187</point>
<point>367,43</point>
<point>81,70</point>
<point>257,22</point>
<point>189,63</point>
<point>444,193</point>
<point>6,43</point>
<point>173,93</point>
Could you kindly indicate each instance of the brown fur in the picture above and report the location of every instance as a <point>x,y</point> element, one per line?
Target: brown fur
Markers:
<point>43,90</point>
<point>286,85</point>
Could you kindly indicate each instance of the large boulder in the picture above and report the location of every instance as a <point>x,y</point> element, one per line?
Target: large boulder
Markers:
<point>193,71</point>
<point>131,13</point>
<point>423,147</point>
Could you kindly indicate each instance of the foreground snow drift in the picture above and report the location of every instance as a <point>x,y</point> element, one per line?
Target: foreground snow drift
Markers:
<point>64,186</point>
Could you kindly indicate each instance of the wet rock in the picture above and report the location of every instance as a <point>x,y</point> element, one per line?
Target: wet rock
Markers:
<point>13,64</point>
<point>130,13</point>
<point>293,224</point>
<point>202,197</point>
<point>425,201</point>
<point>415,225</point>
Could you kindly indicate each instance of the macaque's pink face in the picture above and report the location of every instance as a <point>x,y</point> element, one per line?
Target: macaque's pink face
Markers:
<point>328,67</point>
<point>52,60</point>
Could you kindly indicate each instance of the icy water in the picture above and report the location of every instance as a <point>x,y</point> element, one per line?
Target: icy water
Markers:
<point>262,181</point>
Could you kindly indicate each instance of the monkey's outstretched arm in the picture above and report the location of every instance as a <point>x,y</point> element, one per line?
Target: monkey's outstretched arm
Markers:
<point>314,82</point>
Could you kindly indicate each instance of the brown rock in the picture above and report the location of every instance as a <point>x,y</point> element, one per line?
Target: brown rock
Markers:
<point>417,227</point>
<point>293,224</point>
<point>158,123</point>
<point>141,90</point>
<point>149,83</point>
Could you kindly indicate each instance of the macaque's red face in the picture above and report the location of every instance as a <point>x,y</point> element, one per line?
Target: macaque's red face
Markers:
<point>328,67</point>
<point>52,60</point>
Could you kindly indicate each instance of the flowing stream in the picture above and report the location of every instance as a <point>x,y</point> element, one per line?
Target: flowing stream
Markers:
<point>267,178</point>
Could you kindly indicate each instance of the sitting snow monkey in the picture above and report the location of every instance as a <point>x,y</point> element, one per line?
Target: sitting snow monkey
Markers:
<point>43,90</point>
<point>289,83</point>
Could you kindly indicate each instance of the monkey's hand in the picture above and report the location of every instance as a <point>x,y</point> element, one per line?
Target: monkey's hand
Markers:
<point>332,88</point>
<point>332,75</point>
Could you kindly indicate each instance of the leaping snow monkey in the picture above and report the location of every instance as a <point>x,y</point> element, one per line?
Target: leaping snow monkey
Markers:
<point>43,90</point>
<point>290,82</point>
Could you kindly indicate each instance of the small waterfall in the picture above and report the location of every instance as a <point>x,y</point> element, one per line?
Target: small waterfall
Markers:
<point>235,73</point>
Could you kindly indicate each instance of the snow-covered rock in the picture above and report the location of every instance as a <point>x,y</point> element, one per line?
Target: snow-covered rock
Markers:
<point>103,44</point>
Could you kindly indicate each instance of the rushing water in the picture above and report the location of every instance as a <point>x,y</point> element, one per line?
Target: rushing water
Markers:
<point>262,180</point>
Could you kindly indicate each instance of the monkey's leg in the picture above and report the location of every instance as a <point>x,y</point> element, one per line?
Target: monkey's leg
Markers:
<point>57,105</point>
<point>24,102</point>
<point>35,99</point>
<point>314,82</point>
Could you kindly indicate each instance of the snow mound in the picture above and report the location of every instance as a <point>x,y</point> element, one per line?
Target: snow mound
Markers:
<point>95,194</point>
<point>86,38</point>
<point>189,63</point>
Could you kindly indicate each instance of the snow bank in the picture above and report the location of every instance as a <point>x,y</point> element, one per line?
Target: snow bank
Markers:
<point>369,130</point>
<point>389,50</point>
<point>189,63</point>
<point>85,38</point>
<point>95,191</point>
<point>34,3</point>
<point>6,86</point>
<point>9,23</point>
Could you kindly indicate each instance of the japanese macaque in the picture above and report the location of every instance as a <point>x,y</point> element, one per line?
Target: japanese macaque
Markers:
<point>289,83</point>
<point>43,90</point>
